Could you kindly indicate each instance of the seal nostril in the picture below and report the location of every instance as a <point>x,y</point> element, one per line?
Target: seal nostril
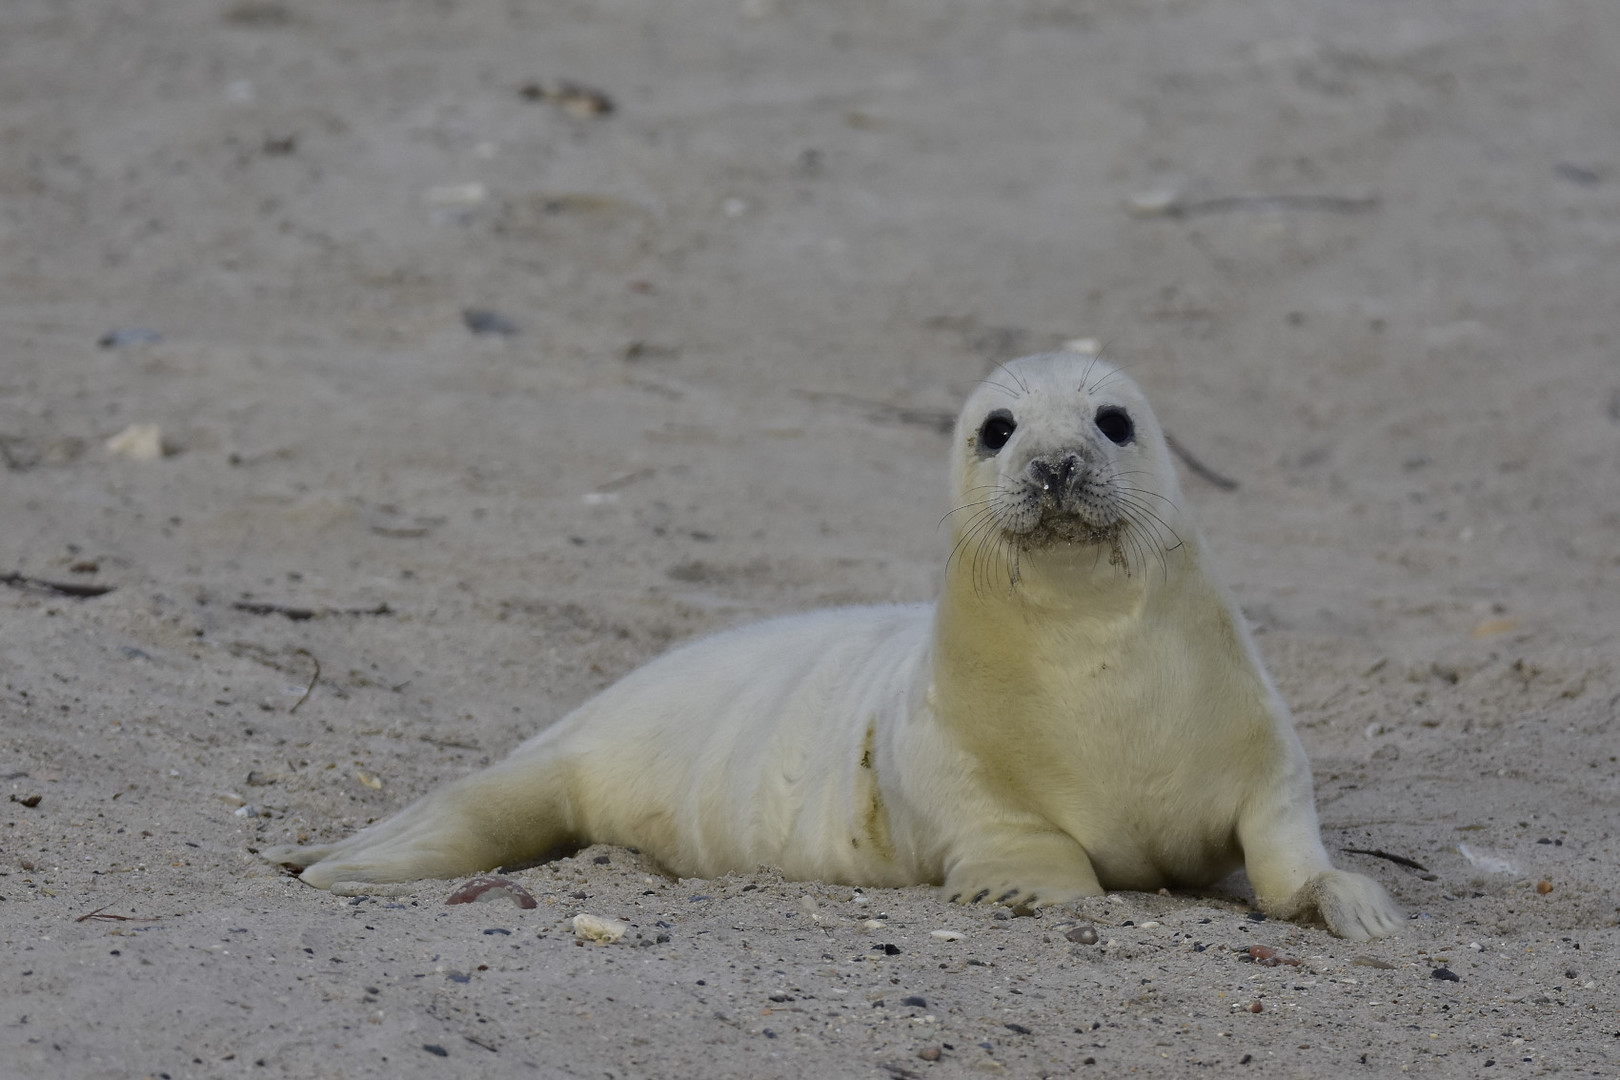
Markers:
<point>1054,476</point>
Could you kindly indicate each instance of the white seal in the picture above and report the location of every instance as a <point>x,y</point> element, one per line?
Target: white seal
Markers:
<point>1082,710</point>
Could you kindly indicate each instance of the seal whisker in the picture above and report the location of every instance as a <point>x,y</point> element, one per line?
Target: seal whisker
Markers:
<point>1146,539</point>
<point>1143,543</point>
<point>988,536</point>
<point>1159,528</point>
<point>1129,498</point>
<point>968,530</point>
<point>959,509</point>
<point>1116,371</point>
<point>1022,385</point>
<point>1085,378</point>
<point>980,530</point>
<point>1097,357</point>
<point>1121,476</point>
<point>991,543</point>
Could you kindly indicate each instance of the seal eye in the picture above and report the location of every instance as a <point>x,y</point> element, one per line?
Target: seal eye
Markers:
<point>1115,423</point>
<point>996,430</point>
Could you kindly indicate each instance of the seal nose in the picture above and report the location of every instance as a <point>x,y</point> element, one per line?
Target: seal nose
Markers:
<point>1055,476</point>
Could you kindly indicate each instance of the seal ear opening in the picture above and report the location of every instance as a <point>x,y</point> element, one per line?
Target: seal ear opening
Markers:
<point>997,428</point>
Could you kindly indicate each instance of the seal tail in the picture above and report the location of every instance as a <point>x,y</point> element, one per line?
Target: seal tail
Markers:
<point>510,814</point>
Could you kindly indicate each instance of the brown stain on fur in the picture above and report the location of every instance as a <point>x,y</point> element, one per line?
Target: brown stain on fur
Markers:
<point>874,815</point>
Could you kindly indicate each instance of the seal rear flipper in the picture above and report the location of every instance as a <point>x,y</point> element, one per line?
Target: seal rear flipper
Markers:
<point>505,815</point>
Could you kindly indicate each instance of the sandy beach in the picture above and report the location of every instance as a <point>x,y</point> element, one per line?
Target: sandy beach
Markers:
<point>380,380</point>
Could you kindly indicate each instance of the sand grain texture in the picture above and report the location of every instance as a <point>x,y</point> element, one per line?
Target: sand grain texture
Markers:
<point>472,398</point>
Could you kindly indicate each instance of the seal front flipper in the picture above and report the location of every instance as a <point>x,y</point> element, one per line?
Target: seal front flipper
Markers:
<point>1036,868</point>
<point>1292,876</point>
<point>1353,906</point>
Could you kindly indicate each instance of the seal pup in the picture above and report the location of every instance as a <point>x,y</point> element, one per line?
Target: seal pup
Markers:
<point>1081,710</point>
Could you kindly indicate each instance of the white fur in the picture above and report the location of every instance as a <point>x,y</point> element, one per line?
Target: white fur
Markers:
<point>1069,717</point>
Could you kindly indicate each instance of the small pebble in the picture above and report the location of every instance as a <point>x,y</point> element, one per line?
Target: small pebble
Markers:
<point>1544,887</point>
<point>1266,956</point>
<point>123,339</point>
<point>1583,175</point>
<point>1163,201</point>
<point>484,889</point>
<point>916,1001</point>
<point>485,323</point>
<point>946,935</point>
<point>138,442</point>
<point>601,930</point>
<point>1445,974</point>
<point>468,194</point>
<point>1255,1006</point>
<point>1083,935</point>
<point>1017,1028</point>
<point>31,800</point>
<point>579,101</point>
<point>435,1049</point>
<point>929,1053</point>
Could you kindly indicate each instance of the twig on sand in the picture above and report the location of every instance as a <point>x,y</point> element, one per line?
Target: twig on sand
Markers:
<point>1172,204</point>
<point>62,588</point>
<point>1225,483</point>
<point>313,679</point>
<point>103,915</point>
<point>1398,860</point>
<point>883,412</point>
<point>299,614</point>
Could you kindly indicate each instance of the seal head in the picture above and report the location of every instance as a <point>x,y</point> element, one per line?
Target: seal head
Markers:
<point>1061,451</point>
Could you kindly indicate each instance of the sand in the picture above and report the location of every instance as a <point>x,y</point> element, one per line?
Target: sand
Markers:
<point>405,396</point>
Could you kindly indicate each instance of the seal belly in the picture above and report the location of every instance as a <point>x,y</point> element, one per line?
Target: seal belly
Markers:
<point>775,763</point>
